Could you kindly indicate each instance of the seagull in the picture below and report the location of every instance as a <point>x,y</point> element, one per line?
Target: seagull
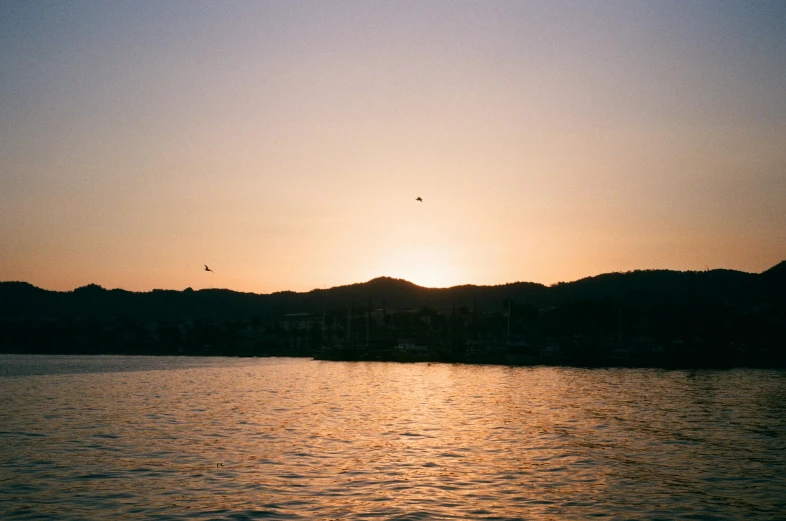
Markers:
<point>419,199</point>
<point>208,269</point>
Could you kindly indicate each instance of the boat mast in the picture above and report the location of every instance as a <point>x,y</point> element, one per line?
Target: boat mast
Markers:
<point>509,299</point>
<point>349,323</point>
<point>323,323</point>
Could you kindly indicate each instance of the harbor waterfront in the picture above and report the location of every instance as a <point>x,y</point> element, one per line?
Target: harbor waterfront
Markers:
<point>99,437</point>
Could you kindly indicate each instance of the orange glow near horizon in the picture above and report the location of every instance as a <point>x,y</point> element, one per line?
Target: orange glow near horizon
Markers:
<point>284,144</point>
<point>431,268</point>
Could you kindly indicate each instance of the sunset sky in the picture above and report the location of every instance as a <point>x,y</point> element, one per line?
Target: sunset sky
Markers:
<point>284,143</point>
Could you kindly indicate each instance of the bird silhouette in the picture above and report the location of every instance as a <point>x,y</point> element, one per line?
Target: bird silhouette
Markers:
<point>419,199</point>
<point>208,269</point>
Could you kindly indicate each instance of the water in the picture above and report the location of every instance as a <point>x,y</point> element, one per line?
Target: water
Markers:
<point>217,438</point>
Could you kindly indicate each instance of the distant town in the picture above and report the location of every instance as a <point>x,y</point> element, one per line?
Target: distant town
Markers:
<point>648,318</point>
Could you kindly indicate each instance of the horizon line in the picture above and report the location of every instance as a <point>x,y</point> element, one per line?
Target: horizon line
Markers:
<point>398,279</point>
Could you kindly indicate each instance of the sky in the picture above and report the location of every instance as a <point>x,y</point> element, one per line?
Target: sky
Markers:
<point>284,143</point>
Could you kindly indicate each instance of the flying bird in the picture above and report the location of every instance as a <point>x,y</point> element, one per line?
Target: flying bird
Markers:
<point>419,199</point>
<point>208,269</point>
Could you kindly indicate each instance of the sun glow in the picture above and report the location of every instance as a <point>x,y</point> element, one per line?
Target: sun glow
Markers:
<point>293,148</point>
<point>430,268</point>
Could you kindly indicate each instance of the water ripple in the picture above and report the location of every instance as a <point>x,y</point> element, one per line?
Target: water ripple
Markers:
<point>185,438</point>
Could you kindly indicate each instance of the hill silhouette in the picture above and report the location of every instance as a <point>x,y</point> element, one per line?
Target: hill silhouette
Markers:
<point>21,300</point>
<point>651,318</point>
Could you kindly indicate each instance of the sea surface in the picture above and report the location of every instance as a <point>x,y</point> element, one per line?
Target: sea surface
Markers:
<point>120,437</point>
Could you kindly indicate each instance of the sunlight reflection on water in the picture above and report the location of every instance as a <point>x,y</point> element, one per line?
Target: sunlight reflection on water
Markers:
<point>190,438</point>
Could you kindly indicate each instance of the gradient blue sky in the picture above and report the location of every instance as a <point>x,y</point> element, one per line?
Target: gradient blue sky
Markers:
<point>284,143</point>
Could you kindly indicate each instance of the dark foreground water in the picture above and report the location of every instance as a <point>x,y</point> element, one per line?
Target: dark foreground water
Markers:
<point>216,438</point>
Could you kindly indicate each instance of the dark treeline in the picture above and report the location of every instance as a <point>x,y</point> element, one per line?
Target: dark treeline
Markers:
<point>717,318</point>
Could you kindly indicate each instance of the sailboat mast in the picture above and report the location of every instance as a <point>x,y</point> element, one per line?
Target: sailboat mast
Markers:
<point>349,323</point>
<point>509,316</point>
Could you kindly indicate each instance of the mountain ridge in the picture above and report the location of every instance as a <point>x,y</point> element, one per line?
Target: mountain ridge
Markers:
<point>19,299</point>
